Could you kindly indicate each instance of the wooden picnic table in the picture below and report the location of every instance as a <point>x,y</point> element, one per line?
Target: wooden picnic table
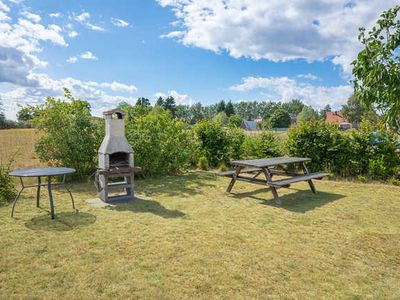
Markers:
<point>270,167</point>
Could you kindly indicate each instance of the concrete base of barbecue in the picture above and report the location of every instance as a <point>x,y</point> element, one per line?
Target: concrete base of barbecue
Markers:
<point>106,187</point>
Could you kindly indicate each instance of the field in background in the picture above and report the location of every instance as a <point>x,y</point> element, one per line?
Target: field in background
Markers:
<point>20,145</point>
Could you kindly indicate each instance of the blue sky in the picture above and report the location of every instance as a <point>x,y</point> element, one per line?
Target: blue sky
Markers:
<point>197,50</point>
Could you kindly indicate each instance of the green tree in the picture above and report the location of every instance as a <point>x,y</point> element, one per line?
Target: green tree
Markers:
<point>280,118</point>
<point>160,101</point>
<point>229,109</point>
<point>293,107</point>
<point>221,106</point>
<point>26,113</point>
<point>323,112</point>
<point>69,137</point>
<point>196,113</point>
<point>377,67</point>
<point>235,121</point>
<point>142,102</point>
<point>307,114</point>
<point>170,105</point>
<point>354,110</point>
<point>2,115</point>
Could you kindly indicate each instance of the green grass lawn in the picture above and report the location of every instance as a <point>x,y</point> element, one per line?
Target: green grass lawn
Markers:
<point>185,237</point>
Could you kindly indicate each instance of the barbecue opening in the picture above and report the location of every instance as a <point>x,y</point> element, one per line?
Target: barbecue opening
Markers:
<point>119,159</point>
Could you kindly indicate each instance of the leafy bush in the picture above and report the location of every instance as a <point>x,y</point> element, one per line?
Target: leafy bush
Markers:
<point>315,140</point>
<point>260,146</point>
<point>7,189</point>
<point>214,141</point>
<point>70,137</point>
<point>236,137</point>
<point>203,163</point>
<point>280,118</point>
<point>162,144</point>
<point>364,152</point>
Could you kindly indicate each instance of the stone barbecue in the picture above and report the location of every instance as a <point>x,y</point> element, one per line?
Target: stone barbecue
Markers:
<point>115,160</point>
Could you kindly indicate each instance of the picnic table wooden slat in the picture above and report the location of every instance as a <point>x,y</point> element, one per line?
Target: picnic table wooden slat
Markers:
<point>269,162</point>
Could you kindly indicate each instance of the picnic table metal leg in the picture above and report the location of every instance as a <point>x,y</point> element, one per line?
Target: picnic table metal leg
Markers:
<point>233,180</point>
<point>310,182</point>
<point>38,192</point>
<point>268,176</point>
<point>50,197</point>
<point>17,197</point>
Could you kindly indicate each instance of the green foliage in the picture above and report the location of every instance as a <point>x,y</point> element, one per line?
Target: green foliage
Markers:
<point>365,152</point>
<point>162,144</point>
<point>236,137</point>
<point>203,163</point>
<point>394,181</point>
<point>235,121</point>
<point>295,106</point>
<point>141,101</point>
<point>229,109</point>
<point>354,110</point>
<point>307,114</point>
<point>214,141</point>
<point>7,189</point>
<point>280,118</point>
<point>362,179</point>
<point>261,146</point>
<point>221,118</point>
<point>69,136</point>
<point>377,67</point>
<point>323,112</point>
<point>321,142</point>
<point>26,113</point>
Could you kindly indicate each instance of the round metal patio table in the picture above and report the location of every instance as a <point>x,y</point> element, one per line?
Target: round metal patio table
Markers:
<point>39,173</point>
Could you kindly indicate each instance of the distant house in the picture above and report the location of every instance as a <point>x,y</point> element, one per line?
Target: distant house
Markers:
<point>335,117</point>
<point>250,125</point>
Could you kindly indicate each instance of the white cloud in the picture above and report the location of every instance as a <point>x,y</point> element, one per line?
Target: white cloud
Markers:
<point>88,55</point>
<point>84,18</point>
<point>276,30</point>
<point>73,34</point>
<point>4,7</point>
<point>179,98</point>
<point>119,87</point>
<point>173,34</point>
<point>285,88</point>
<point>55,15</point>
<point>72,59</point>
<point>308,76</point>
<point>33,17</point>
<point>119,22</point>
<point>20,42</point>
<point>93,92</point>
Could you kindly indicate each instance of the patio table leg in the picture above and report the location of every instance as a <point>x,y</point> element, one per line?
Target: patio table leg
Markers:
<point>72,198</point>
<point>233,180</point>
<point>50,197</point>
<point>38,192</point>
<point>15,201</point>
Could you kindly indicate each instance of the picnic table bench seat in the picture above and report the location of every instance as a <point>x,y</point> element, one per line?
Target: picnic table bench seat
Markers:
<point>299,178</point>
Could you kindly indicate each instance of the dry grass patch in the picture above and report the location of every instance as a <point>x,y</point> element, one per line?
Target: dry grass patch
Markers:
<point>185,237</point>
<point>20,145</point>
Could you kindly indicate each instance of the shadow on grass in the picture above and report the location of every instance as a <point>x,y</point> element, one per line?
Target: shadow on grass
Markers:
<point>300,201</point>
<point>177,185</point>
<point>64,221</point>
<point>139,205</point>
